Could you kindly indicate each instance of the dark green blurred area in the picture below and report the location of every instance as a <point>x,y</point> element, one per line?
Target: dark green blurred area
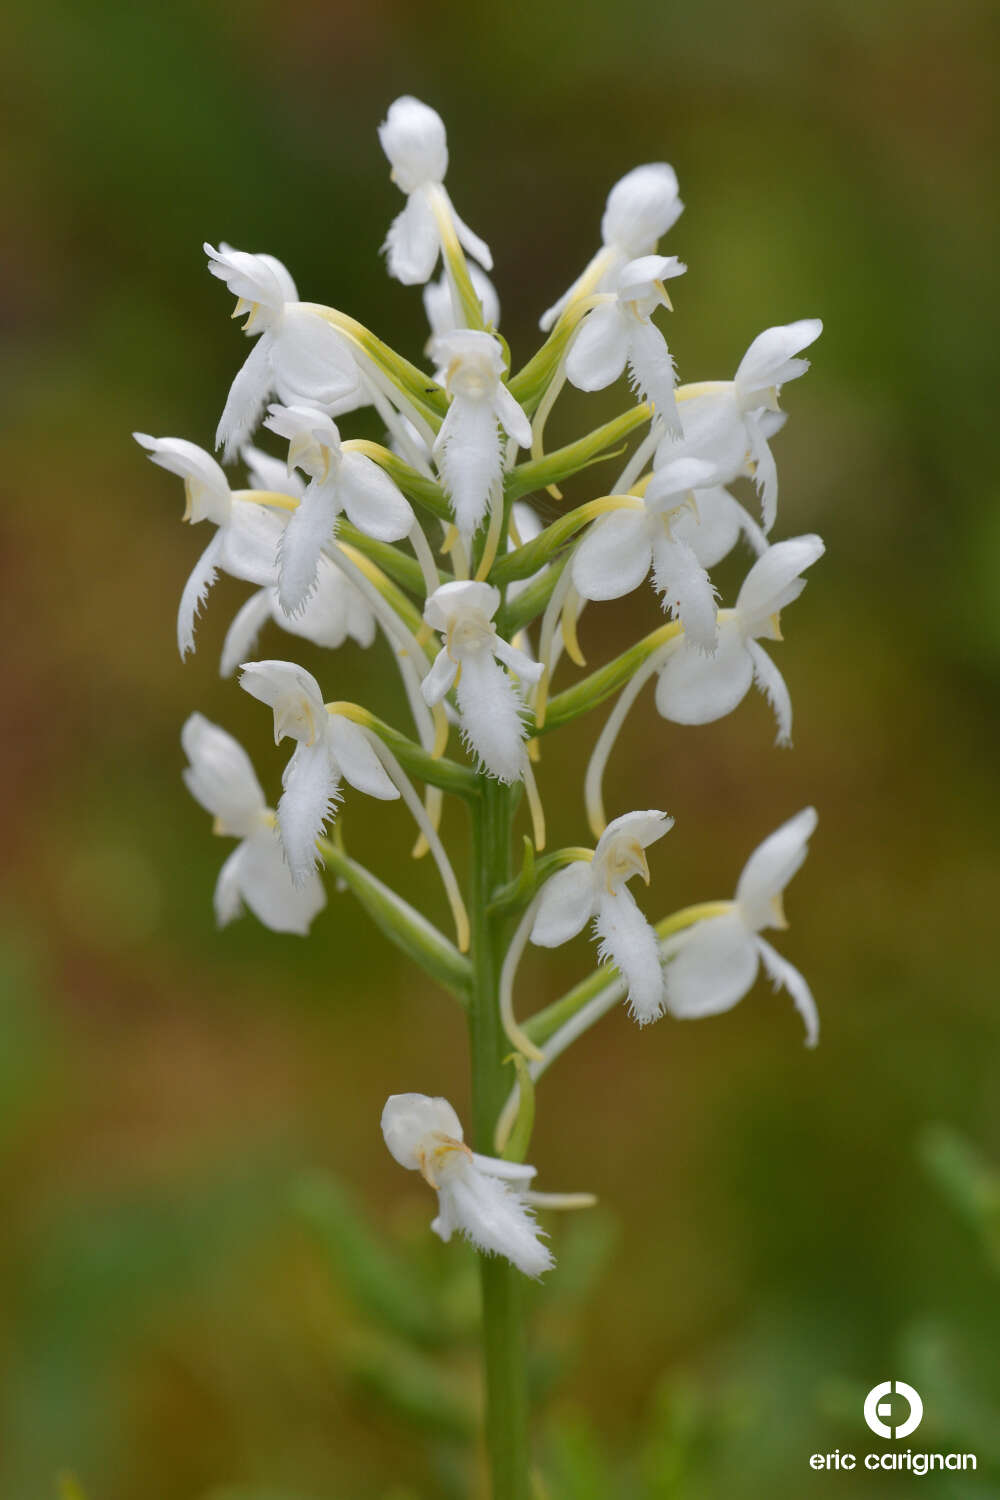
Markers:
<point>180,1317</point>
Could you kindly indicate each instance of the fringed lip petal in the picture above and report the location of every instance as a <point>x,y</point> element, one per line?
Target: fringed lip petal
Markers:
<point>311,791</point>
<point>629,942</point>
<point>195,592</point>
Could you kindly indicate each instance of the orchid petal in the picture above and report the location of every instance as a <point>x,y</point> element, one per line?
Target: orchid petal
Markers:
<point>614,557</point>
<point>785,976</point>
<point>629,942</point>
<point>221,777</point>
<point>373,502</point>
<point>413,242</point>
<point>565,906</point>
<point>686,590</point>
<point>770,868</point>
<point>771,683</point>
<point>311,791</point>
<point>203,575</point>
<point>599,351</point>
<point>244,632</point>
<point>357,761</point>
<point>697,689</point>
<point>245,402</point>
<point>714,966</point>
<point>491,716</point>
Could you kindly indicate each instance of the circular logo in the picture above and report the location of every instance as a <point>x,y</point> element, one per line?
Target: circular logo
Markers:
<point>878,1406</point>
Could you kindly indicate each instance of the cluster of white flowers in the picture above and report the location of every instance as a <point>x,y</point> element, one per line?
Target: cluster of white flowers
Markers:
<point>428,541</point>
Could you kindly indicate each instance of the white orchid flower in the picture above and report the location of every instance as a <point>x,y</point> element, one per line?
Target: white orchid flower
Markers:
<point>480,1196</point>
<point>622,332</point>
<point>696,689</point>
<point>597,890</point>
<point>468,446</point>
<point>338,481</point>
<point>221,779</point>
<point>640,208</point>
<point>714,524</point>
<point>724,421</point>
<point>414,140</point>
<point>617,553</point>
<point>711,966</point>
<point>489,705</point>
<point>246,541</point>
<point>298,355</point>
<point>439,303</point>
<point>335,612</point>
<point>328,748</point>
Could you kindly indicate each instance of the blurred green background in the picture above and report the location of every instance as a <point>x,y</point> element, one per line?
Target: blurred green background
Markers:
<point>189,1144</point>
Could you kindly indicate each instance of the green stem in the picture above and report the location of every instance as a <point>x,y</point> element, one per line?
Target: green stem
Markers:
<point>503,1336</point>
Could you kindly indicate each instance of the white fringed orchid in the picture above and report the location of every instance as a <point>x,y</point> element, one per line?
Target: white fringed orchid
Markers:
<point>439,304</point>
<point>298,355</point>
<point>711,965</point>
<point>597,890</point>
<point>723,421</point>
<point>468,446</point>
<point>622,332</point>
<point>615,556</point>
<point>246,541</point>
<point>414,140</point>
<point>640,208</point>
<point>338,481</point>
<point>696,689</point>
<point>328,748</point>
<point>489,705</point>
<point>714,524</point>
<point>480,1196</point>
<point>221,779</point>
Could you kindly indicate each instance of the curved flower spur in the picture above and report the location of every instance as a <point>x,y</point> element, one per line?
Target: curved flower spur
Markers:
<point>425,546</point>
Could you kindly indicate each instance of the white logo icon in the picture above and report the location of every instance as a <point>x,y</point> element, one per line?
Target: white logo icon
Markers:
<point>876,1407</point>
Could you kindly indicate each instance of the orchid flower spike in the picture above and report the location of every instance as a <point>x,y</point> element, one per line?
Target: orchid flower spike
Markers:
<point>597,890</point>
<point>616,554</point>
<point>440,307</point>
<point>298,355</point>
<point>480,1196</point>
<point>640,208</point>
<point>413,138</point>
<point>246,542</point>
<point>697,689</point>
<point>468,446</point>
<point>725,421</point>
<point>328,748</point>
<point>711,966</point>
<point>221,779</point>
<point>489,705</point>
<point>622,332</point>
<point>338,481</point>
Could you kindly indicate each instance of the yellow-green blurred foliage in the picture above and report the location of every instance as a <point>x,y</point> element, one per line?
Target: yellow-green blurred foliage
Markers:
<point>182,1313</point>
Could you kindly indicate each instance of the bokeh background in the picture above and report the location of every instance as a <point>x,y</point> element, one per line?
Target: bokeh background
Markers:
<point>214,1281</point>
